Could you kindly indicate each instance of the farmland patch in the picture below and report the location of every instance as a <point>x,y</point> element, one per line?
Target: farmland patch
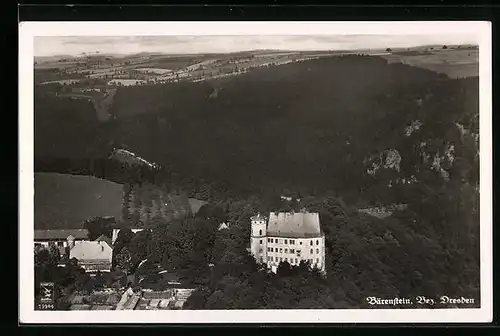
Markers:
<point>453,63</point>
<point>64,201</point>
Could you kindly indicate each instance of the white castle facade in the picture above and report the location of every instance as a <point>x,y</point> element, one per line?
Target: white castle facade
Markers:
<point>291,237</point>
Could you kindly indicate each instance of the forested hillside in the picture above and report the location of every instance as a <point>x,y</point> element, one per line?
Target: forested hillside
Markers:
<point>309,127</point>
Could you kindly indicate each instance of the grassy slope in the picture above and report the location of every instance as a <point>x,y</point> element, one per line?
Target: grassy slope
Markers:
<point>64,201</point>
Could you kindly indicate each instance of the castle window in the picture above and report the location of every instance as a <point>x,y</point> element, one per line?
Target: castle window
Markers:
<point>268,249</point>
<point>292,251</point>
<point>271,249</point>
<point>260,232</point>
<point>317,251</point>
<point>296,261</point>
<point>317,260</point>
<point>286,250</point>
<point>260,241</point>
<point>286,241</point>
<point>281,250</point>
<point>312,251</point>
<point>268,240</point>
<point>311,242</point>
<point>317,242</point>
<point>300,243</point>
<point>271,258</point>
<point>281,259</point>
<point>292,242</point>
<point>272,240</point>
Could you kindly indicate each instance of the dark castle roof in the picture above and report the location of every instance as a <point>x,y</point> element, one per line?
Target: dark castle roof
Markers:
<point>294,225</point>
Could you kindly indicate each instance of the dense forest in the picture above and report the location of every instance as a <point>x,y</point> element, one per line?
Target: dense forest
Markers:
<point>308,127</point>
<point>340,133</point>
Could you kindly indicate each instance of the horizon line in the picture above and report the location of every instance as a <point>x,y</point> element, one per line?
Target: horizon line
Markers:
<point>96,53</point>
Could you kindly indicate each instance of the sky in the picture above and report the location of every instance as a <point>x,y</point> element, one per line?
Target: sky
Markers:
<point>171,44</point>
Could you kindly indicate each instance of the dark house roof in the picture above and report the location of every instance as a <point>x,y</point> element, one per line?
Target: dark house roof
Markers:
<point>60,234</point>
<point>195,205</point>
<point>294,225</point>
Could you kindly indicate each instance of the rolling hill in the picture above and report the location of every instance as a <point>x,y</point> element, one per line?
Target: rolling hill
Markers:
<point>65,201</point>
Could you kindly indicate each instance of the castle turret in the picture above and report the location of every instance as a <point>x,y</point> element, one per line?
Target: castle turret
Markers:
<point>258,241</point>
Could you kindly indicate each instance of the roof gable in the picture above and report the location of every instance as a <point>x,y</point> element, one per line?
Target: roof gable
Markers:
<point>105,239</point>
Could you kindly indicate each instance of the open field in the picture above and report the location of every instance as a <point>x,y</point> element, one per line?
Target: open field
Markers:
<point>454,63</point>
<point>64,201</point>
<point>54,65</point>
<point>126,82</point>
<point>63,81</point>
<point>153,70</point>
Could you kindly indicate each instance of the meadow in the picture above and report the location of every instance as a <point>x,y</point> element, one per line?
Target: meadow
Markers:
<point>453,63</point>
<point>64,201</point>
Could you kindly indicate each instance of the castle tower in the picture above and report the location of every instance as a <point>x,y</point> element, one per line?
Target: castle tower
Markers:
<point>258,238</point>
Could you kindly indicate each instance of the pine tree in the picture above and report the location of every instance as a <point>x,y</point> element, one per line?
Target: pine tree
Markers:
<point>124,260</point>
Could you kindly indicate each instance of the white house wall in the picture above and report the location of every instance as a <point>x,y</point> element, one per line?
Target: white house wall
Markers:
<point>273,250</point>
<point>276,250</point>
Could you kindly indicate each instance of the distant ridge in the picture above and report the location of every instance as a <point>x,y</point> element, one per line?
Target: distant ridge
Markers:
<point>250,51</point>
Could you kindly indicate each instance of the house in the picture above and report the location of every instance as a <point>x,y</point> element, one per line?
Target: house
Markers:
<point>94,255</point>
<point>61,238</point>
<point>288,236</point>
<point>170,299</point>
<point>223,226</point>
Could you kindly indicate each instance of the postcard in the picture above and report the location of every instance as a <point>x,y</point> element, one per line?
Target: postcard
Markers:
<point>255,172</point>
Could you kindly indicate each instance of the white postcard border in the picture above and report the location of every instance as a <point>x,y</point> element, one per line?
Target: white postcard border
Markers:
<point>27,32</point>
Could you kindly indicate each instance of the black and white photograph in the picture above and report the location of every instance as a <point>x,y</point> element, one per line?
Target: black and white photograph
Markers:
<point>255,172</point>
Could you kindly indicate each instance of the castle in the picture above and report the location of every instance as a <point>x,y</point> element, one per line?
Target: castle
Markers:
<point>291,237</point>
